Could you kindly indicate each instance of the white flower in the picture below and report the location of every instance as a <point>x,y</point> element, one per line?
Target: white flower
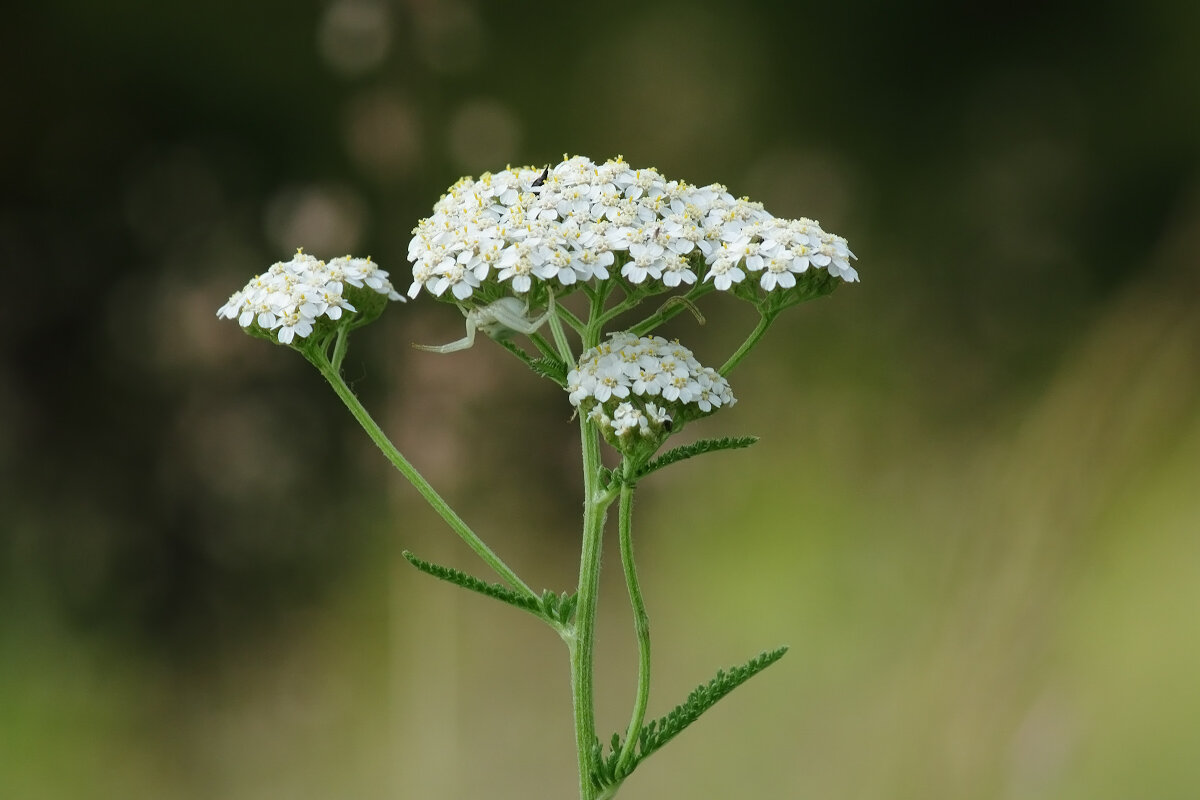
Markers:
<point>592,263</point>
<point>358,272</point>
<point>293,296</point>
<point>584,217</point>
<point>645,260</point>
<point>294,324</point>
<point>834,255</point>
<point>724,272</point>
<point>643,383</point>
<point>777,273</point>
<point>657,414</point>
<point>628,419</point>
<point>675,270</point>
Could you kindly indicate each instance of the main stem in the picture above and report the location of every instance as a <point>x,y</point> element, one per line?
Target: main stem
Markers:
<point>418,481</point>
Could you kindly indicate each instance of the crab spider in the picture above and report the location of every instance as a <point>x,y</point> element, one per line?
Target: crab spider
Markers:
<point>498,319</point>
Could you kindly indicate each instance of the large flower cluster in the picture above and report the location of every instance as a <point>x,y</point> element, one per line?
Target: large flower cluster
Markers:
<point>632,385</point>
<point>292,296</point>
<point>568,223</point>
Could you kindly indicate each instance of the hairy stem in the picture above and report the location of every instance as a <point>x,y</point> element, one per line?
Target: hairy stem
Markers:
<point>595,505</point>
<point>669,310</point>
<point>764,322</point>
<point>317,357</point>
<point>641,621</point>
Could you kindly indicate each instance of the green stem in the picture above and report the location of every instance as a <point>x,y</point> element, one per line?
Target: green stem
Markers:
<point>595,505</point>
<point>641,621</point>
<point>318,359</point>
<point>544,347</point>
<point>564,314</point>
<point>559,335</point>
<point>590,335</point>
<point>630,301</point>
<point>764,322</point>
<point>339,349</point>
<point>666,312</point>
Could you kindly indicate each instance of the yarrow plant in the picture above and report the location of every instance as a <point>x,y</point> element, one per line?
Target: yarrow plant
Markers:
<point>570,249</point>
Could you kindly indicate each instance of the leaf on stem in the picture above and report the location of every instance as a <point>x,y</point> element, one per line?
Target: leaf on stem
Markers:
<point>559,607</point>
<point>694,449</point>
<point>494,590</point>
<point>550,368</point>
<point>662,730</point>
<point>608,478</point>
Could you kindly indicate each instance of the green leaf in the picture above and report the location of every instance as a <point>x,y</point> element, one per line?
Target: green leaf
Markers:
<point>702,698</point>
<point>608,478</point>
<point>662,730</point>
<point>494,590</point>
<point>559,607</point>
<point>694,449</point>
<point>550,368</point>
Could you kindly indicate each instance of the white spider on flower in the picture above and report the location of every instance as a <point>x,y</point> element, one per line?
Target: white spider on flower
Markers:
<point>499,320</point>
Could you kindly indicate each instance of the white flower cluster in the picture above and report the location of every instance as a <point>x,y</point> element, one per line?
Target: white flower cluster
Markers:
<point>291,296</point>
<point>565,223</point>
<point>627,419</point>
<point>630,384</point>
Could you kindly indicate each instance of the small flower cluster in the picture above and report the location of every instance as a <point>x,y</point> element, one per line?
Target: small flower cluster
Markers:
<point>627,420</point>
<point>637,386</point>
<point>292,296</point>
<point>567,224</point>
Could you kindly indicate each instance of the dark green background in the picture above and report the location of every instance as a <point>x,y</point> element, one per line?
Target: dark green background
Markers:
<point>972,515</point>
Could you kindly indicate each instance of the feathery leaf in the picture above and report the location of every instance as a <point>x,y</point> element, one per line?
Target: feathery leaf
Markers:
<point>662,730</point>
<point>495,590</point>
<point>694,449</point>
<point>550,368</point>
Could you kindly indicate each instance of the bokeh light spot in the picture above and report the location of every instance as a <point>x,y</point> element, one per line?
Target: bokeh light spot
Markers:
<point>354,36</point>
<point>326,220</point>
<point>449,36</point>
<point>383,135</point>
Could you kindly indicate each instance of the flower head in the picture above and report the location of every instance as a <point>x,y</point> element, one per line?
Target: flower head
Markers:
<point>564,225</point>
<point>639,389</point>
<point>294,298</point>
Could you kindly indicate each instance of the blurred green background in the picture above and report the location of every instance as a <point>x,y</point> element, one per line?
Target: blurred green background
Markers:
<point>973,514</point>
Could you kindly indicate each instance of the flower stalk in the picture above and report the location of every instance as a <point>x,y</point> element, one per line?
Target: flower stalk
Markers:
<point>641,621</point>
<point>423,487</point>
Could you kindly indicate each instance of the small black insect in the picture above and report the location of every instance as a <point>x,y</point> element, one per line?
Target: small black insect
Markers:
<point>541,178</point>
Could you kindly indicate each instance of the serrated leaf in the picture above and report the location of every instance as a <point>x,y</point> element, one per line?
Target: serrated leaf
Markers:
<point>658,732</point>
<point>459,578</point>
<point>550,368</point>
<point>567,607</point>
<point>558,607</point>
<point>694,449</point>
<point>704,697</point>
